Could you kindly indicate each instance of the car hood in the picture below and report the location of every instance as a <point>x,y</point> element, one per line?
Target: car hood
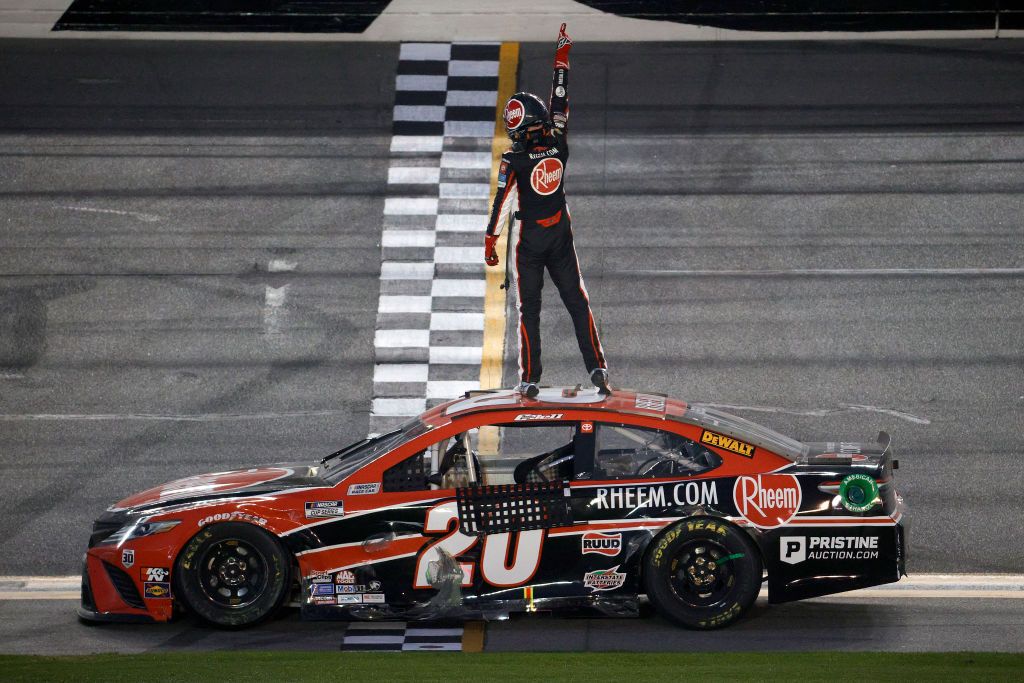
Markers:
<point>230,484</point>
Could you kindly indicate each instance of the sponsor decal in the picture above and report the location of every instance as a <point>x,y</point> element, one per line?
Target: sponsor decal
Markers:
<point>601,544</point>
<point>633,497</point>
<point>324,508</point>
<point>858,492</point>
<point>322,600</point>
<point>549,152</point>
<point>349,588</point>
<point>502,173</point>
<point>796,549</point>
<point>560,91</point>
<point>232,517</point>
<point>374,585</point>
<point>345,576</point>
<point>321,589</point>
<point>514,113</point>
<point>155,573</point>
<point>527,417</point>
<point>348,599</point>
<point>648,402</point>
<point>586,427</point>
<point>373,597</point>
<point>604,579</point>
<point>364,489</point>
<point>767,500</point>
<point>319,577</point>
<point>157,589</point>
<point>728,443</point>
<point>546,176</point>
<point>127,558</point>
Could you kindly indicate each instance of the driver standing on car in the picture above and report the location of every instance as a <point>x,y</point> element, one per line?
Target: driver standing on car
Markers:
<point>533,168</point>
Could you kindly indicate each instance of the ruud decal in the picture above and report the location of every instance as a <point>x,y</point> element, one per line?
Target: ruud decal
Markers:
<point>601,544</point>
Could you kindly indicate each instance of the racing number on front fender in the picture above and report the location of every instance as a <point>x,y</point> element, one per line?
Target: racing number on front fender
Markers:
<point>495,568</point>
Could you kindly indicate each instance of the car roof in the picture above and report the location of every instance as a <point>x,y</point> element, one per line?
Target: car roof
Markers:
<point>621,402</point>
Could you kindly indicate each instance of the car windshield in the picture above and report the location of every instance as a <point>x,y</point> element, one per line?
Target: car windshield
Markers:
<point>341,464</point>
<point>716,420</point>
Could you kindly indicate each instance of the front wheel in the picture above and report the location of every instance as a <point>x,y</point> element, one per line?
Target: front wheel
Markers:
<point>232,575</point>
<point>703,573</point>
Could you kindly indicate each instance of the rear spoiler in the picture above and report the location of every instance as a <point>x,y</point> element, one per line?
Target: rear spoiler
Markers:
<point>885,441</point>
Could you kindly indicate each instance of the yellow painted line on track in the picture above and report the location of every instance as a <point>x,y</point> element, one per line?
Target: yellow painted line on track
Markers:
<point>492,360</point>
<point>473,636</point>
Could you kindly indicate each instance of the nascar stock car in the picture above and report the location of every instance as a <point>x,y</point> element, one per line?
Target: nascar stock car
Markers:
<point>495,503</point>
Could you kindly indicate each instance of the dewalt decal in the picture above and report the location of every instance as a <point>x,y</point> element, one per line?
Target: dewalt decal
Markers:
<point>728,443</point>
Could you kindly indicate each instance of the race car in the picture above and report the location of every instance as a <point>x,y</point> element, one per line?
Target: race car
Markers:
<point>497,503</point>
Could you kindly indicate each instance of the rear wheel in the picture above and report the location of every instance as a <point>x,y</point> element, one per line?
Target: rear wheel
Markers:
<point>232,575</point>
<point>703,573</point>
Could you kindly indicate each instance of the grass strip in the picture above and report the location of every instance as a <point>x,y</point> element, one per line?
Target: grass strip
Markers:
<point>336,667</point>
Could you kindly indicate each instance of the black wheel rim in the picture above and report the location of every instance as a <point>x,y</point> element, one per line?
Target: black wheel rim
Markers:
<point>702,573</point>
<point>233,574</point>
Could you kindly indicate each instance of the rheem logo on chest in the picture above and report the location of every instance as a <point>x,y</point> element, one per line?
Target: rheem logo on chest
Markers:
<point>546,176</point>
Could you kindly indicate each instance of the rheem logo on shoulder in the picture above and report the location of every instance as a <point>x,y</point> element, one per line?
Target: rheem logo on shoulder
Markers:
<point>601,544</point>
<point>546,176</point>
<point>514,113</point>
<point>767,500</point>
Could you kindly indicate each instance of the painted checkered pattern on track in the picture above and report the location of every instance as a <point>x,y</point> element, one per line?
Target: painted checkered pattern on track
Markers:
<point>430,315</point>
<point>401,637</point>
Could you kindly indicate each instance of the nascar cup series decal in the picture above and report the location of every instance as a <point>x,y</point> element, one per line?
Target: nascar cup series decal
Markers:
<point>767,500</point>
<point>546,176</point>
<point>514,113</point>
<point>325,508</point>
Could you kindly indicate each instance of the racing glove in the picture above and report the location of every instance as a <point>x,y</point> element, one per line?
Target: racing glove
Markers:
<point>562,52</point>
<point>490,254</point>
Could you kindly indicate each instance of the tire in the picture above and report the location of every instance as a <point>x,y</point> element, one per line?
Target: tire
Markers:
<point>232,575</point>
<point>691,591</point>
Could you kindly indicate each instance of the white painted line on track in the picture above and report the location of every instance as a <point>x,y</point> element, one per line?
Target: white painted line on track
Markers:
<point>447,388</point>
<point>460,222</point>
<point>417,143</point>
<point>169,417</point>
<point>147,217</point>
<point>948,586</point>
<point>829,272</point>
<point>455,355</point>
<point>401,339</point>
<point>406,270</point>
<point>456,321</point>
<point>401,372</point>
<point>824,412</point>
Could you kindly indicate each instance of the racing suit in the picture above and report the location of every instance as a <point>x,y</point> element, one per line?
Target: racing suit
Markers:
<point>545,240</point>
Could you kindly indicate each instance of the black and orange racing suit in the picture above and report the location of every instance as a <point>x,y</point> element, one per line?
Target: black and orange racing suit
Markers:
<point>545,235</point>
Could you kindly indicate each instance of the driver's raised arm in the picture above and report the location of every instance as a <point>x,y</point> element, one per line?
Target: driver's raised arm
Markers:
<point>558,105</point>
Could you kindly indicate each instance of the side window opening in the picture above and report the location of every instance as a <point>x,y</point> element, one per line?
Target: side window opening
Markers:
<point>628,451</point>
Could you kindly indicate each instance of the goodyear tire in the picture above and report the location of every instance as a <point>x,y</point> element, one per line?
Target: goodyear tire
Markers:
<point>703,573</point>
<point>232,575</point>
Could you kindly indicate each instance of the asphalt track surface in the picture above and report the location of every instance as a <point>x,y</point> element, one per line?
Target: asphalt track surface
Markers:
<point>828,233</point>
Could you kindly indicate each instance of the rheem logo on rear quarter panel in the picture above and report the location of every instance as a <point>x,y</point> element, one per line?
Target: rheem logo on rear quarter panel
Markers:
<point>767,500</point>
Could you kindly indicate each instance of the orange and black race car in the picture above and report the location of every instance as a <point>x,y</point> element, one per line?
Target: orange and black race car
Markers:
<point>495,503</point>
